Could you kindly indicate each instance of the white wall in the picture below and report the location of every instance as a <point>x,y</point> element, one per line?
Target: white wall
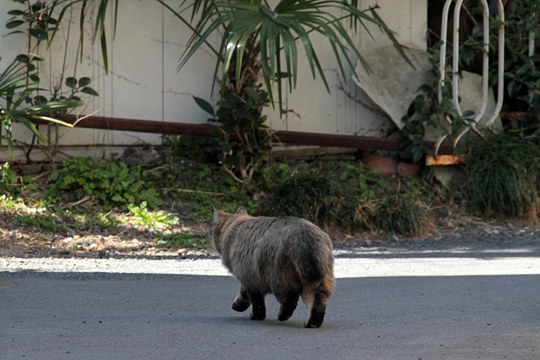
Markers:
<point>143,82</point>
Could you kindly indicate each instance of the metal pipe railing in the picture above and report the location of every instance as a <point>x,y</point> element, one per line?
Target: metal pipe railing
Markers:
<point>485,66</point>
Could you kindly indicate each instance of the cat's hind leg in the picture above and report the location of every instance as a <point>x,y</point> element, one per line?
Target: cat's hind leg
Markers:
<point>288,302</point>
<point>258,306</point>
<point>241,303</point>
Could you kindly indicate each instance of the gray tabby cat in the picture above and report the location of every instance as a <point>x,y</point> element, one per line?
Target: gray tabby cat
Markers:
<point>285,256</point>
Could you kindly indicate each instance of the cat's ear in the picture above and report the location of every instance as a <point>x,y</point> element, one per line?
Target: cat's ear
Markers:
<point>241,211</point>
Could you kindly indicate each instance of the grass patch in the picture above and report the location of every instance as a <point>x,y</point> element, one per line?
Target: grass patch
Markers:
<point>403,214</point>
<point>182,240</point>
<point>43,222</point>
<point>503,176</point>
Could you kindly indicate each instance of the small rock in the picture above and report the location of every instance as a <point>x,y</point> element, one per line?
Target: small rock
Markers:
<point>68,239</point>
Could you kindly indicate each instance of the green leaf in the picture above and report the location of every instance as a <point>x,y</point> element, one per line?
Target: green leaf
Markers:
<point>16,12</point>
<point>71,82</point>
<point>88,90</point>
<point>39,34</point>
<point>14,23</point>
<point>84,81</point>
<point>204,105</point>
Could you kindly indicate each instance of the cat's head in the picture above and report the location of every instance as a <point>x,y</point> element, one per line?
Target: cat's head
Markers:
<point>220,218</point>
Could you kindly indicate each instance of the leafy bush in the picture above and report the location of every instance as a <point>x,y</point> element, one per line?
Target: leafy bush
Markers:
<point>198,188</point>
<point>503,176</point>
<point>109,183</point>
<point>239,126</point>
<point>311,194</point>
<point>341,194</point>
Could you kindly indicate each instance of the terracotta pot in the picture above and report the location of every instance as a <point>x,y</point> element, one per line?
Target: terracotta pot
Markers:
<point>408,170</point>
<point>383,165</point>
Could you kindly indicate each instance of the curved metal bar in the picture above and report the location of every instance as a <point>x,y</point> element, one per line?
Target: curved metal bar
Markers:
<point>442,52</point>
<point>455,58</point>
<point>500,87</point>
<point>485,66</point>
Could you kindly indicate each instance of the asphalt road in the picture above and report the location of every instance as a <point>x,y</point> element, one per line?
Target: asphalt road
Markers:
<point>404,307</point>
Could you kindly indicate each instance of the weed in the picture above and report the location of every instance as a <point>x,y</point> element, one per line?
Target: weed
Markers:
<point>153,220</point>
<point>8,178</point>
<point>10,204</point>
<point>110,183</point>
<point>42,221</point>
<point>89,220</point>
<point>239,127</point>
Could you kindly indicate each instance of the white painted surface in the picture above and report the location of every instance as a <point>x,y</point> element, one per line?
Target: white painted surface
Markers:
<point>143,82</point>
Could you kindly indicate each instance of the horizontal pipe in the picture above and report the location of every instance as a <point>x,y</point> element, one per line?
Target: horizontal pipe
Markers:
<point>286,137</point>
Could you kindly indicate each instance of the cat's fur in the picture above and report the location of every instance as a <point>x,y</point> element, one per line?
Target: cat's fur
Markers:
<point>285,256</point>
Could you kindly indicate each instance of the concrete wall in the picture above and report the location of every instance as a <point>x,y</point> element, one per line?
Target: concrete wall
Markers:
<point>143,82</point>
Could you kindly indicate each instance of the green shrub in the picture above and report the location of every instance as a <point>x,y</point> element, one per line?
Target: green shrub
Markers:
<point>403,214</point>
<point>503,176</point>
<point>340,194</point>
<point>201,187</point>
<point>109,183</point>
<point>311,194</point>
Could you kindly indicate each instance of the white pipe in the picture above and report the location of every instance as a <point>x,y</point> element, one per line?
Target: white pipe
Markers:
<point>500,87</point>
<point>442,55</point>
<point>485,65</point>
<point>455,58</point>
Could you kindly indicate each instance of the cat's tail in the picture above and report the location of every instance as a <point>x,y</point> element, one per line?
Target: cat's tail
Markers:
<point>312,254</point>
<point>315,265</point>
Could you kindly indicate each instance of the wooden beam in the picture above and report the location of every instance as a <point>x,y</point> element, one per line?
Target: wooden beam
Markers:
<point>147,126</point>
<point>446,160</point>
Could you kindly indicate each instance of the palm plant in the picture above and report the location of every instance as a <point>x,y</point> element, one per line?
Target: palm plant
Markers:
<point>17,82</point>
<point>258,52</point>
<point>257,39</point>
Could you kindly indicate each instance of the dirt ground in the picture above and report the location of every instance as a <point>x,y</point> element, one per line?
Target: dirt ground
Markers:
<point>453,227</point>
<point>129,240</point>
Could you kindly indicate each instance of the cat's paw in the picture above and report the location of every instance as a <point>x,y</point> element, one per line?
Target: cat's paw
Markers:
<point>241,305</point>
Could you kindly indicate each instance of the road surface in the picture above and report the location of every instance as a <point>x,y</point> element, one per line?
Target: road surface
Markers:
<point>424,305</point>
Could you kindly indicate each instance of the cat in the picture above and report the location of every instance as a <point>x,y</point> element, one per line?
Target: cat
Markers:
<point>288,257</point>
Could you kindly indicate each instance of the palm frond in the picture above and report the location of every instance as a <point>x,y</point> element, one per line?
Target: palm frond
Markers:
<point>291,23</point>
